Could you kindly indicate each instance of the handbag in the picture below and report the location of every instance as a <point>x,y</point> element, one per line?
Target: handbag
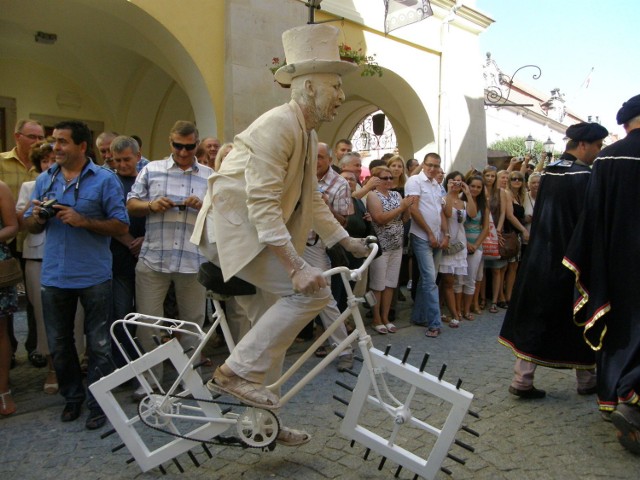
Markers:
<point>10,272</point>
<point>510,246</point>
<point>454,248</point>
<point>490,250</point>
<point>338,256</point>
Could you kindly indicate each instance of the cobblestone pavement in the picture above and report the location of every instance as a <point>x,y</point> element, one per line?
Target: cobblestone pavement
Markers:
<point>559,437</point>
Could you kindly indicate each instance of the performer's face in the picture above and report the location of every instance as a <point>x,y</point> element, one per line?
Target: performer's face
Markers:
<point>328,95</point>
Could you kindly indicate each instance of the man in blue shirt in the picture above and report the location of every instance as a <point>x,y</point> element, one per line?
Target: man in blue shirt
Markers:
<point>89,210</point>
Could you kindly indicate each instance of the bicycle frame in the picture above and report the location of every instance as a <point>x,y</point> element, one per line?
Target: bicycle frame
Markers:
<point>168,406</point>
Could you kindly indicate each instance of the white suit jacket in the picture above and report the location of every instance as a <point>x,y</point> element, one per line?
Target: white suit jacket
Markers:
<point>266,192</point>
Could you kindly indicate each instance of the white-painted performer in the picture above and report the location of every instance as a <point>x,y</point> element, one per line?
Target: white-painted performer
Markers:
<point>260,207</point>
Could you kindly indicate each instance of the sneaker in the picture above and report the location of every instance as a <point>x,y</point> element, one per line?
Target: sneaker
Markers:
<point>345,362</point>
<point>409,285</point>
<point>37,359</point>
<point>96,419</point>
<point>531,393</point>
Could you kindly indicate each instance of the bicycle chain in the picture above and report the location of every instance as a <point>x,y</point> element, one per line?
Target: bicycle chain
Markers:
<point>225,441</point>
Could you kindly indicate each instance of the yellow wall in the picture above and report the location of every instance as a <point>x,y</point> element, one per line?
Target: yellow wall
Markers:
<point>199,25</point>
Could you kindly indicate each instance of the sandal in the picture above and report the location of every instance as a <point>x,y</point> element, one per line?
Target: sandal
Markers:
<point>289,437</point>
<point>381,329</point>
<point>454,323</point>
<point>469,316</point>
<point>504,305</point>
<point>253,394</point>
<point>7,405</point>
<point>391,328</point>
<point>51,383</point>
<point>432,332</point>
<point>494,308</point>
<point>321,351</point>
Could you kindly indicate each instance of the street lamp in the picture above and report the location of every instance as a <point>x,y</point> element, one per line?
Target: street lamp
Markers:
<point>529,143</point>
<point>548,148</point>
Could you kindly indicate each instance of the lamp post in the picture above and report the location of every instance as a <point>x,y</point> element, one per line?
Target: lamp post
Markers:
<point>529,143</point>
<point>548,148</point>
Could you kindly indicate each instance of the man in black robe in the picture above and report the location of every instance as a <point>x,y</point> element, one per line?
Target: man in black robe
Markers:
<point>604,254</point>
<point>538,326</point>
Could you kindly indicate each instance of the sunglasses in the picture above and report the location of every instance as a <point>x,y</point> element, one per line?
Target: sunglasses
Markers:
<point>385,178</point>
<point>431,165</point>
<point>516,179</point>
<point>183,146</point>
<point>459,212</point>
<point>31,136</point>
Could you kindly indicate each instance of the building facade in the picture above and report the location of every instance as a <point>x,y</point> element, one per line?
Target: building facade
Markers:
<point>137,66</point>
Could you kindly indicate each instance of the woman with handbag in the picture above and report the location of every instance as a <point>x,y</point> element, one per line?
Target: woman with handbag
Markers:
<point>454,257</point>
<point>494,183</point>
<point>388,211</point>
<point>513,229</point>
<point>8,294</point>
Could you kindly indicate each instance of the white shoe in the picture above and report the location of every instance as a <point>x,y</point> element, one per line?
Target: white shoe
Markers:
<point>409,284</point>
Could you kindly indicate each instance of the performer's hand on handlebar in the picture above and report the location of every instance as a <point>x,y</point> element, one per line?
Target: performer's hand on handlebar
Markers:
<point>356,246</point>
<point>308,280</point>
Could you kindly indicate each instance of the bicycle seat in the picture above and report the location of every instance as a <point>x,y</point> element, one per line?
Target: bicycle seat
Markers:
<point>210,276</point>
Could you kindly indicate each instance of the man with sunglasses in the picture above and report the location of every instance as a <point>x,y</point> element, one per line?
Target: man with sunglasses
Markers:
<point>538,326</point>
<point>88,210</point>
<point>169,194</point>
<point>15,169</point>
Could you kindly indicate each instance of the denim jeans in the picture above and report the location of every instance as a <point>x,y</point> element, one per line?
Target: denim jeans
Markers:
<point>426,309</point>
<point>59,308</point>
<point>124,292</point>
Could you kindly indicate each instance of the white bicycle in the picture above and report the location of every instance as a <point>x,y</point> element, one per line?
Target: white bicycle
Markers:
<point>388,412</point>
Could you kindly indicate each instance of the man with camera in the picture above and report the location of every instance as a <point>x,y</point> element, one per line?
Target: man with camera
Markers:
<point>169,194</point>
<point>81,205</point>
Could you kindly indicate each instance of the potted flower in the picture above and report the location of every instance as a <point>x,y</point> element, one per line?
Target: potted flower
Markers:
<point>368,63</point>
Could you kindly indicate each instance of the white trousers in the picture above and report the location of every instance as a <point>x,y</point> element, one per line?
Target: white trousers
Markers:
<point>260,353</point>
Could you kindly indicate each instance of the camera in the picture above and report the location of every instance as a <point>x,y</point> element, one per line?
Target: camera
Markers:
<point>46,209</point>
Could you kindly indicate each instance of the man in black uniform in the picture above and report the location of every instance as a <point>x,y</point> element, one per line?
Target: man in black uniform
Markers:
<point>603,254</point>
<point>538,326</point>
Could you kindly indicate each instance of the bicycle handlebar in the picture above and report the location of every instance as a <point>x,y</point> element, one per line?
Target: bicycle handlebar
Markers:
<point>372,243</point>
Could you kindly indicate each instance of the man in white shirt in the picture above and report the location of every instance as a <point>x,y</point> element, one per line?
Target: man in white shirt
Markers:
<point>429,234</point>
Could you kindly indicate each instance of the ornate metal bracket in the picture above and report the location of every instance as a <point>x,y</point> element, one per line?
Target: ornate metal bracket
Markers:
<point>495,93</point>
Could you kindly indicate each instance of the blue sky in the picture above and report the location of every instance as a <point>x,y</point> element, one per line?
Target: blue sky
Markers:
<point>566,38</point>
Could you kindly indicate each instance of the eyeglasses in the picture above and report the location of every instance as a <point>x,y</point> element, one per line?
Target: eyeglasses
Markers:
<point>32,136</point>
<point>516,179</point>
<point>183,146</point>
<point>385,178</point>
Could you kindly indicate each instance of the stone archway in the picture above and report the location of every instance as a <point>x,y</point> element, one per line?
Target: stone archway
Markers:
<point>397,99</point>
<point>112,62</point>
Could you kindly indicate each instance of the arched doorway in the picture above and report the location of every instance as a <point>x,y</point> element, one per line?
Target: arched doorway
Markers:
<point>112,64</point>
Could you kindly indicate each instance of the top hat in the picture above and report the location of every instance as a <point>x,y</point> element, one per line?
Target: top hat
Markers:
<point>311,49</point>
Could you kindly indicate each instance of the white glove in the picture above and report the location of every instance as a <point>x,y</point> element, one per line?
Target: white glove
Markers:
<point>308,280</point>
<point>355,246</point>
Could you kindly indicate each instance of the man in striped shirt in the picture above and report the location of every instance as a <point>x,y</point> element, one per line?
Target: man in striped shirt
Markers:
<point>169,194</point>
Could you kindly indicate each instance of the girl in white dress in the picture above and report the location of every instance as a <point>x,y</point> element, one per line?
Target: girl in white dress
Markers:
<point>454,258</point>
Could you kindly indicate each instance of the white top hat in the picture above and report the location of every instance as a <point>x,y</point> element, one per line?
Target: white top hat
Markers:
<point>311,49</point>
